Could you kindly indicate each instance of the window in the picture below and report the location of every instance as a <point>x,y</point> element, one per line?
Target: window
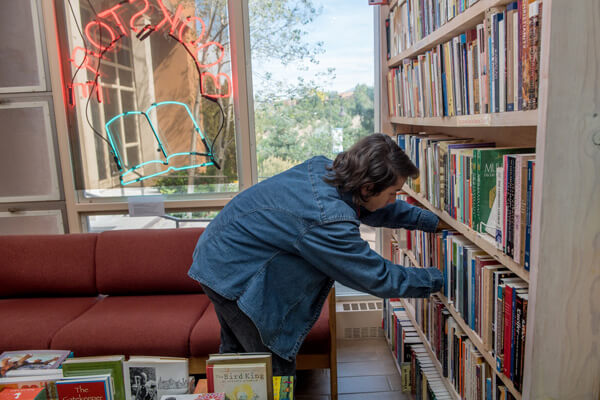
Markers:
<point>312,65</point>
<point>150,96</point>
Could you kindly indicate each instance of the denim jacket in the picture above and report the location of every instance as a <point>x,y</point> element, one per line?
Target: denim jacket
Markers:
<point>277,247</point>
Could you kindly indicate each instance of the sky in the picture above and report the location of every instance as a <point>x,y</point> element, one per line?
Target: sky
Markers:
<point>346,28</point>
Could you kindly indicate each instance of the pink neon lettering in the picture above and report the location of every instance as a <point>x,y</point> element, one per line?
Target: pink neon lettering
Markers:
<point>100,25</point>
<point>216,83</point>
<point>204,48</point>
<point>138,15</point>
<point>85,62</point>
<point>185,24</point>
<point>174,20</point>
<point>112,11</point>
<point>85,90</point>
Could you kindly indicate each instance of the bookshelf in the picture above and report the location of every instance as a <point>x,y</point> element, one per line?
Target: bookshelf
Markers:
<point>561,358</point>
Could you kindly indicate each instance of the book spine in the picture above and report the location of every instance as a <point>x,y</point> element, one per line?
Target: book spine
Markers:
<point>502,62</point>
<point>510,207</point>
<point>535,12</point>
<point>499,210</point>
<point>515,360</point>
<point>524,76</point>
<point>527,255</point>
<point>499,325</point>
<point>507,333</point>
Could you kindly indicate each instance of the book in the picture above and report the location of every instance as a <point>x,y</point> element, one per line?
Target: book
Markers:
<point>241,375</point>
<point>47,382</point>
<point>113,365</point>
<point>195,396</point>
<point>240,381</point>
<point>150,378</point>
<point>94,387</point>
<point>283,388</point>
<point>23,362</point>
<point>23,394</point>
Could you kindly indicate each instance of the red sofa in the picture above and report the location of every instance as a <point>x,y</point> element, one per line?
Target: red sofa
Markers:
<point>121,292</point>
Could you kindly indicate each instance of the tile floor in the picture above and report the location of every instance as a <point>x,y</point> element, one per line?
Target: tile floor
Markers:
<point>366,371</point>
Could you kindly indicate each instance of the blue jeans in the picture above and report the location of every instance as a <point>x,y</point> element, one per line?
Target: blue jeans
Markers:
<point>239,334</point>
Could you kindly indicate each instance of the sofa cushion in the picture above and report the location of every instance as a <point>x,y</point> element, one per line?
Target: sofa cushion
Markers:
<point>318,339</point>
<point>146,261</point>
<point>31,323</point>
<point>47,265</point>
<point>205,337</point>
<point>134,325</point>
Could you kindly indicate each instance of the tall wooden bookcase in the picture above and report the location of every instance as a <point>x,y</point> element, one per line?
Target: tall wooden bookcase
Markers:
<point>562,359</point>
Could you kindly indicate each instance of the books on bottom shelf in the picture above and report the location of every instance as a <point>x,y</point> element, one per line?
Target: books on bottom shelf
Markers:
<point>241,375</point>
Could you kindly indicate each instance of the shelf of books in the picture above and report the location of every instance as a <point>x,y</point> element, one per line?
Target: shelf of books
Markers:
<point>480,95</point>
<point>489,372</point>
<point>421,373</point>
<point>474,62</point>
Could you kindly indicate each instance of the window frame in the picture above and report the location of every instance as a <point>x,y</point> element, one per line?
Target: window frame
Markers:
<point>55,16</point>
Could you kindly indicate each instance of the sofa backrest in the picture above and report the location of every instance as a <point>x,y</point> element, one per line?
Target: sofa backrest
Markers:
<point>146,261</point>
<point>48,265</point>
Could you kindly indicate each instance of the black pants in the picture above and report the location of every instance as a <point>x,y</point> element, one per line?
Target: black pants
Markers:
<point>239,334</point>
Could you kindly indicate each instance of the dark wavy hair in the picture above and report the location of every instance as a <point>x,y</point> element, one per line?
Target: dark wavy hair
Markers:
<point>374,162</point>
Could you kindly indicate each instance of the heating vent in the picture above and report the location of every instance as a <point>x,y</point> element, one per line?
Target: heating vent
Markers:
<point>359,319</point>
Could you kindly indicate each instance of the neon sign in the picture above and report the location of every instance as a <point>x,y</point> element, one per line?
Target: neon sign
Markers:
<point>109,24</point>
<point>129,175</point>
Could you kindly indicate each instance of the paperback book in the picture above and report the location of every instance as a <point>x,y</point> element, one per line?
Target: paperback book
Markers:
<point>28,362</point>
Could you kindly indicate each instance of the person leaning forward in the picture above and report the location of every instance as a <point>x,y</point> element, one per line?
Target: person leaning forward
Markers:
<point>270,257</point>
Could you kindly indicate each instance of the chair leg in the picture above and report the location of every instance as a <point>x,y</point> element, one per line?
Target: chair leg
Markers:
<point>333,346</point>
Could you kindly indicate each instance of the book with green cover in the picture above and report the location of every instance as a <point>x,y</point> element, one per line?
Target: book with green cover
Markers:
<point>486,162</point>
<point>113,365</point>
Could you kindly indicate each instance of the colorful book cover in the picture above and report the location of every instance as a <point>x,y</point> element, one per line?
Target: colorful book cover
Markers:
<point>283,388</point>
<point>239,381</point>
<point>113,365</point>
<point>486,163</point>
<point>97,387</point>
<point>21,363</point>
<point>23,394</point>
<point>35,381</point>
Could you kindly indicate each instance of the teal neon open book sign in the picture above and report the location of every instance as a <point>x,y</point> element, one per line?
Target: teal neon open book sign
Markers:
<point>135,173</point>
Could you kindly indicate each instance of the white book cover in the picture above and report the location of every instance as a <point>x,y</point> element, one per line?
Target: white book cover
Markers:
<point>502,64</point>
<point>241,381</point>
<point>150,378</point>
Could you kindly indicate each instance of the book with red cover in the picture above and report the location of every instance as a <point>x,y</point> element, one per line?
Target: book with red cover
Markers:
<point>23,394</point>
<point>97,387</point>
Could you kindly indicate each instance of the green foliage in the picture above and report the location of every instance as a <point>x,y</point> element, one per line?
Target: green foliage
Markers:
<point>296,129</point>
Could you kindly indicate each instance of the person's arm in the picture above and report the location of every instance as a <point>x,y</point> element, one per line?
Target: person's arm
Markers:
<point>400,215</point>
<point>337,250</point>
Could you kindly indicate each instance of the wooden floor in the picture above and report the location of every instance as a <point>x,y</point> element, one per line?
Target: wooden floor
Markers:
<point>366,371</point>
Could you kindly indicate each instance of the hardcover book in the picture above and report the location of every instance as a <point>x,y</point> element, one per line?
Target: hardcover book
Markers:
<point>240,376</point>
<point>113,365</point>
<point>96,387</point>
<point>196,396</point>
<point>22,363</point>
<point>150,378</point>
<point>47,382</point>
<point>23,394</point>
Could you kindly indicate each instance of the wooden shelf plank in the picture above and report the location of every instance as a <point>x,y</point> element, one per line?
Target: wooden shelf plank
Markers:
<point>434,359</point>
<point>457,25</point>
<point>477,238</point>
<point>513,118</point>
